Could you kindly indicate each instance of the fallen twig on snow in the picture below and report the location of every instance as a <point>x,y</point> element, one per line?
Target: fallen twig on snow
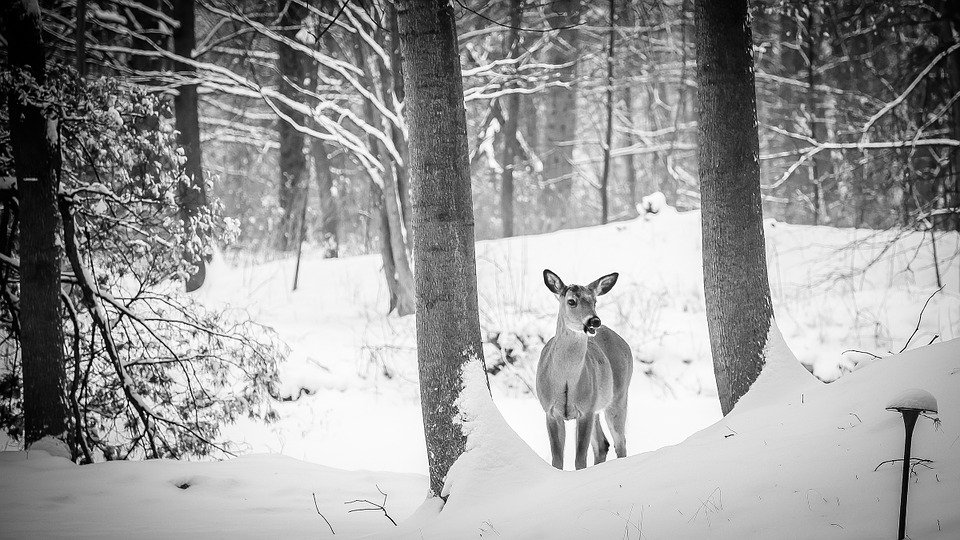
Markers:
<point>325,520</point>
<point>373,506</point>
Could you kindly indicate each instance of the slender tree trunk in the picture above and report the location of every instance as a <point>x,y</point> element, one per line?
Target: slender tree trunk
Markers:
<point>448,323</point>
<point>608,139</point>
<point>147,28</point>
<point>561,113</point>
<point>193,192</point>
<point>510,127</point>
<point>737,292</point>
<point>404,293</point>
<point>33,139</point>
<point>329,208</point>
<point>820,166</point>
<point>80,37</point>
<point>631,166</point>
<point>292,71</point>
<point>396,76</point>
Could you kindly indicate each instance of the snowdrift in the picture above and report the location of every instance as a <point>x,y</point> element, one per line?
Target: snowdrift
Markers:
<point>798,464</point>
<point>793,460</point>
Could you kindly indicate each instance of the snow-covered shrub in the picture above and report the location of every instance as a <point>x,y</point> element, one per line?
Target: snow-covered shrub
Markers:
<point>149,372</point>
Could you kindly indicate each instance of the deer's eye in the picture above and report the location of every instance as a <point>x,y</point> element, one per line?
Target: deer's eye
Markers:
<point>571,302</point>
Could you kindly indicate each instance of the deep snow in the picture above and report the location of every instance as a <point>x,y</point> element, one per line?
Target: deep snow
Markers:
<point>776,468</point>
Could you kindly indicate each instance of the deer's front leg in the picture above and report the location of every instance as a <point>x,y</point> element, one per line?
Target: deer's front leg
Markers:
<point>557,433</point>
<point>584,434</point>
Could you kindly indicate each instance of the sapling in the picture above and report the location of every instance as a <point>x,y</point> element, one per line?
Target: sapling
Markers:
<point>910,404</point>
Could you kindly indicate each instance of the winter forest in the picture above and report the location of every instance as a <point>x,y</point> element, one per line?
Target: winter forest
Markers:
<point>634,269</point>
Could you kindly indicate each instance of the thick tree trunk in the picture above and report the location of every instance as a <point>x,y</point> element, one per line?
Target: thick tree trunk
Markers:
<point>737,292</point>
<point>448,327</point>
<point>292,70</point>
<point>33,139</point>
<point>193,193</point>
<point>949,24</point>
<point>608,139</point>
<point>511,147</point>
<point>561,113</point>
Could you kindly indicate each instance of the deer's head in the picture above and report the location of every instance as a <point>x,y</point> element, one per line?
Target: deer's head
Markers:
<point>578,303</point>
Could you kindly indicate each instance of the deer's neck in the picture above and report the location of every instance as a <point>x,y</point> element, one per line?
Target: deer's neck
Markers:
<point>570,347</point>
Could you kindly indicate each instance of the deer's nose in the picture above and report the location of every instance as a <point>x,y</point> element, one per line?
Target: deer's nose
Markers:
<point>593,322</point>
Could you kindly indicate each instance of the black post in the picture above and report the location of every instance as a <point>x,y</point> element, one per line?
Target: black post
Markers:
<point>909,421</point>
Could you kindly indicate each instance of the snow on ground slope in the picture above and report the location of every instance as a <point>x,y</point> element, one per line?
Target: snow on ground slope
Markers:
<point>797,463</point>
<point>793,464</point>
<point>351,379</point>
<point>353,372</point>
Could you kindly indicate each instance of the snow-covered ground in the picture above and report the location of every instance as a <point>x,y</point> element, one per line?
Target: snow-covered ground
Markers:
<point>783,468</point>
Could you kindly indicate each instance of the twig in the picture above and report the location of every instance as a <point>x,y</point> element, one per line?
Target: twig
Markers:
<point>317,506</point>
<point>915,330</point>
<point>914,462</point>
<point>861,352</point>
<point>373,506</point>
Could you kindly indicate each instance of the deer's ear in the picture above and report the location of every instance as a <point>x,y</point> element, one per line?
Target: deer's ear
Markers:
<point>553,282</point>
<point>604,284</point>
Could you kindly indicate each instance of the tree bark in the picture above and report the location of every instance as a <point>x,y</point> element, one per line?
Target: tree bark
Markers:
<point>193,192</point>
<point>561,113</point>
<point>34,140</point>
<point>510,127</point>
<point>736,289</point>
<point>405,301</point>
<point>396,77</point>
<point>629,20</point>
<point>820,165</point>
<point>292,70</point>
<point>448,327</point>
<point>608,139</point>
<point>80,37</point>
<point>329,208</point>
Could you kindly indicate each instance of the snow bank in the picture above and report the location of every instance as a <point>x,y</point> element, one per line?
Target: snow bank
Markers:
<point>256,496</point>
<point>780,468</point>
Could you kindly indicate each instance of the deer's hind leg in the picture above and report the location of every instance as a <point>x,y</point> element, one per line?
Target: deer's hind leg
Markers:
<point>600,443</point>
<point>616,415</point>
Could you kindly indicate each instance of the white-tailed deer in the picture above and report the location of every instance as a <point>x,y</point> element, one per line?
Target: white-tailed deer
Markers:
<point>584,369</point>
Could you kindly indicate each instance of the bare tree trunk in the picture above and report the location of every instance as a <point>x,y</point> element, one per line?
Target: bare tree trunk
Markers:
<point>561,113</point>
<point>404,292</point>
<point>448,327</point>
<point>510,144</point>
<point>396,76</point>
<point>292,70</point>
<point>629,20</point>
<point>329,208</point>
<point>737,292</point>
<point>80,37</point>
<point>950,23</point>
<point>193,193</point>
<point>608,139</point>
<point>33,139</point>
<point>820,167</point>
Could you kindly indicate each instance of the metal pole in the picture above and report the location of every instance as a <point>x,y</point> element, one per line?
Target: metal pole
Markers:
<point>909,421</point>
